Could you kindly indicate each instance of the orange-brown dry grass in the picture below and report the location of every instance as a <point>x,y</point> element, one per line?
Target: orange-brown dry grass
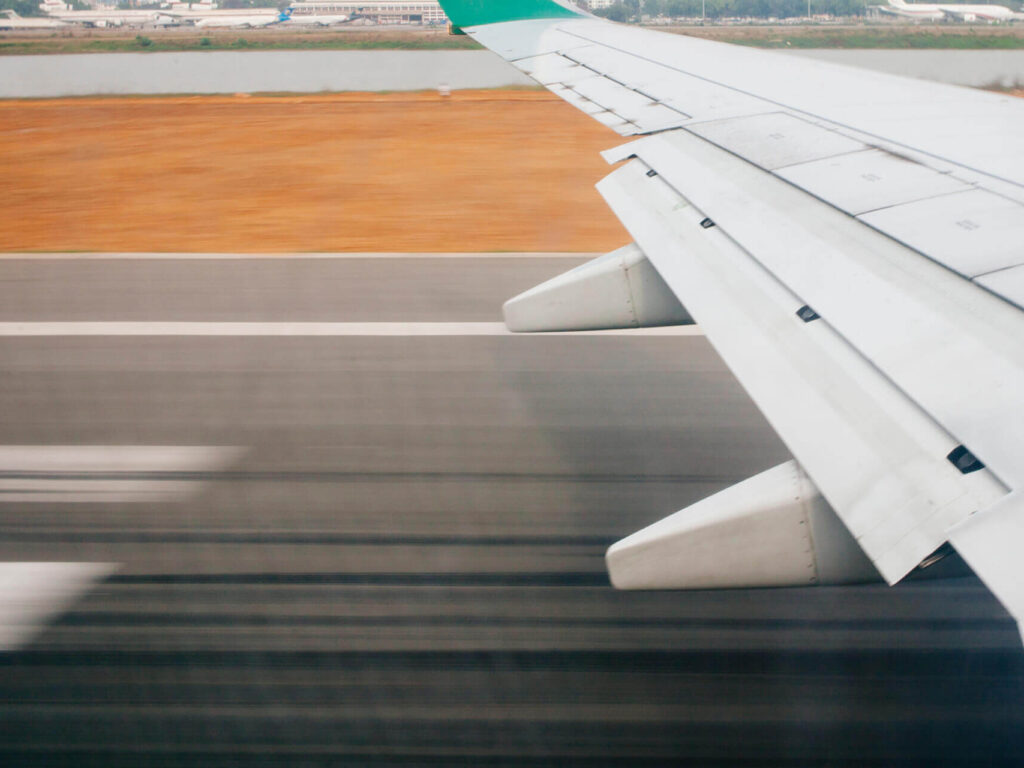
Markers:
<point>503,170</point>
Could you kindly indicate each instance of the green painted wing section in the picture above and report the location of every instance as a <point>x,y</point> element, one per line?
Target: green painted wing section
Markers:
<point>469,13</point>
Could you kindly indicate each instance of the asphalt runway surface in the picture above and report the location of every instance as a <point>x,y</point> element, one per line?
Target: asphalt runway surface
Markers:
<point>398,558</point>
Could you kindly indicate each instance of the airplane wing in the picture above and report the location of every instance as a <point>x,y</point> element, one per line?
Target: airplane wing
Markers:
<point>852,244</point>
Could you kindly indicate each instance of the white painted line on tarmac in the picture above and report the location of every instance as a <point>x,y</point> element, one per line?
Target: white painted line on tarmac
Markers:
<point>116,458</point>
<point>293,256</point>
<point>147,328</point>
<point>106,473</point>
<point>31,594</point>
<point>57,490</point>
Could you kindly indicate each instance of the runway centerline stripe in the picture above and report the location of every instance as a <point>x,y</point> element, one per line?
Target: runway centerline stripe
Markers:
<point>158,328</point>
<point>108,473</point>
<point>117,458</point>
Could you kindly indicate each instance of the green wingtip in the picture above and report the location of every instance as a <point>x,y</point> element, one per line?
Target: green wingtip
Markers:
<point>469,13</point>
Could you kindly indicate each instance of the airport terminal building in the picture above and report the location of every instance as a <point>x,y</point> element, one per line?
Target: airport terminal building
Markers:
<point>378,11</point>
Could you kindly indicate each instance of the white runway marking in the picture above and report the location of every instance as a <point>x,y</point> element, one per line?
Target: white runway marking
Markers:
<point>116,458</point>
<point>59,490</point>
<point>147,328</point>
<point>33,593</point>
<point>105,473</point>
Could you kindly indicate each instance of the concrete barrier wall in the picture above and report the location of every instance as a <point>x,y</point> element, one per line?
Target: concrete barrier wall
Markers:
<point>974,68</point>
<point>315,71</point>
<point>251,71</point>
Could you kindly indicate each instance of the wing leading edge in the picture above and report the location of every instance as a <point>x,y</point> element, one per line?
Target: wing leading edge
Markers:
<point>850,243</point>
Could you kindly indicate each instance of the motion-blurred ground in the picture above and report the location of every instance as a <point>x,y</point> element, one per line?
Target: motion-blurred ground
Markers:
<point>481,170</point>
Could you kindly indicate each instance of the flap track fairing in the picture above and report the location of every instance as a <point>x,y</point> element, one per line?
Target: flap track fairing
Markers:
<point>621,289</point>
<point>772,530</point>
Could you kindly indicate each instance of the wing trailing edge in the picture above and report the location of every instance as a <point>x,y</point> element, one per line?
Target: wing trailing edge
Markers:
<point>878,458</point>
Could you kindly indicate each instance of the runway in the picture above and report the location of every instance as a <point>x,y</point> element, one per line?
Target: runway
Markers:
<point>386,549</point>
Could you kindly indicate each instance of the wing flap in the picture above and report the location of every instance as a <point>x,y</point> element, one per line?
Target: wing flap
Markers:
<point>1008,283</point>
<point>925,328</point>
<point>860,182</point>
<point>972,232</point>
<point>876,456</point>
<point>776,139</point>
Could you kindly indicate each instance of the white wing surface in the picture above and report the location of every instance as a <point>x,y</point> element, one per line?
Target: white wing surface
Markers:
<point>852,244</point>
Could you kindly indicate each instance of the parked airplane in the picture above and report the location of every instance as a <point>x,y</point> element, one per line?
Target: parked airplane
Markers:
<point>9,20</point>
<point>317,20</point>
<point>199,18</point>
<point>953,12</point>
<point>244,21</point>
<point>851,244</point>
<point>108,18</point>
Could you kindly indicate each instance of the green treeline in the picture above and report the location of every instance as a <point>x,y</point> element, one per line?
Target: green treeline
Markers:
<point>22,7</point>
<point>31,7</point>
<point>630,10</point>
